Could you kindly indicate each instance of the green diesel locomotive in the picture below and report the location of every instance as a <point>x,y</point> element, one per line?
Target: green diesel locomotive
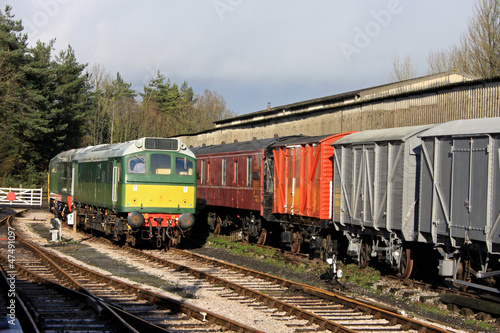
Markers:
<point>141,190</point>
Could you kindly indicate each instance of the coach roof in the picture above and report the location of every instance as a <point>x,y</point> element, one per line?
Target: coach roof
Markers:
<point>386,134</point>
<point>233,147</point>
<point>465,127</point>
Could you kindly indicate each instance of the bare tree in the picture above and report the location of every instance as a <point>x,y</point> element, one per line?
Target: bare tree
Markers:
<point>444,61</point>
<point>481,44</point>
<point>479,50</point>
<point>98,124</point>
<point>209,108</point>
<point>402,68</point>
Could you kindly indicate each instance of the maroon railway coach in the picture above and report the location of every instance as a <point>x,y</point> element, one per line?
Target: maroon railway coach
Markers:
<point>230,185</point>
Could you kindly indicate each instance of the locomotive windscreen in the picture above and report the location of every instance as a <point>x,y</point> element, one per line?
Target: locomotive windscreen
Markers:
<point>161,144</point>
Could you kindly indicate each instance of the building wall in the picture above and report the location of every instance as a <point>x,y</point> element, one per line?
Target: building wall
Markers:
<point>421,101</point>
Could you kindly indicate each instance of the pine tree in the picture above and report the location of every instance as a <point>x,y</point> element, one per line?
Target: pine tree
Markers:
<point>43,103</point>
<point>13,47</point>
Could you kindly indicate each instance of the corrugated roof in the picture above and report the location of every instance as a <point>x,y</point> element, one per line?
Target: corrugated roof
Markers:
<point>415,85</point>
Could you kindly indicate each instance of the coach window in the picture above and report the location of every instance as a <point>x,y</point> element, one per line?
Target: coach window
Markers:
<point>161,164</point>
<point>236,172</point>
<point>224,169</point>
<point>249,170</point>
<point>137,164</point>
<point>183,166</point>
<point>202,172</point>
<point>208,172</point>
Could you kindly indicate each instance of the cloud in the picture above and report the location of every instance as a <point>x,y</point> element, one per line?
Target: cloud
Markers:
<point>251,52</point>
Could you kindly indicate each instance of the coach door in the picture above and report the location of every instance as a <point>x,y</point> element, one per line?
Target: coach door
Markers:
<point>469,198</point>
<point>114,181</point>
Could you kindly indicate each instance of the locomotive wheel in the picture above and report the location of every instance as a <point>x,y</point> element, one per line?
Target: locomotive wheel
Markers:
<point>364,255</point>
<point>406,264</point>
<point>262,237</point>
<point>295,246</point>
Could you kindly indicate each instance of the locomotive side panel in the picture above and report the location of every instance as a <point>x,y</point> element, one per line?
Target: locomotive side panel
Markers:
<point>93,183</point>
<point>60,177</point>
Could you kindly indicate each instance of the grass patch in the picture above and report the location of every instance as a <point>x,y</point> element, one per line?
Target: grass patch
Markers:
<point>481,326</point>
<point>268,255</point>
<point>365,277</point>
<point>433,309</point>
<point>352,273</point>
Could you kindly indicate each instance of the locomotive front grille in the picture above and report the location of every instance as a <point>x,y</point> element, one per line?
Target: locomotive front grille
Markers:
<point>161,144</point>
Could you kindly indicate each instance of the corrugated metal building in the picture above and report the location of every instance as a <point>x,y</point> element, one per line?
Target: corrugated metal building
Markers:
<point>426,100</point>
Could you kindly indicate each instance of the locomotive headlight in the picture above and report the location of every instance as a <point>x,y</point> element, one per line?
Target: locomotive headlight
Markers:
<point>186,221</point>
<point>135,220</point>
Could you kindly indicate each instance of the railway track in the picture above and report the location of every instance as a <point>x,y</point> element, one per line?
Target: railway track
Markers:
<point>325,310</point>
<point>42,305</point>
<point>284,300</point>
<point>138,309</point>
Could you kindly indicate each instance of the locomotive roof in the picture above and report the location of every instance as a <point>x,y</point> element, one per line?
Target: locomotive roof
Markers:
<point>386,134</point>
<point>106,151</point>
<point>233,147</point>
<point>465,127</point>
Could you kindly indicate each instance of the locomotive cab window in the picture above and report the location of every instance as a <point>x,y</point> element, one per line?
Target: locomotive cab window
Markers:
<point>183,166</point>
<point>137,164</point>
<point>161,164</point>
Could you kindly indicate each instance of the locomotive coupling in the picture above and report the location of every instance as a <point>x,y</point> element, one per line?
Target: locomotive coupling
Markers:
<point>186,221</point>
<point>135,220</point>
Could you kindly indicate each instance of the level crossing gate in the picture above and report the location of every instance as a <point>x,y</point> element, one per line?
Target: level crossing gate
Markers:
<point>21,196</point>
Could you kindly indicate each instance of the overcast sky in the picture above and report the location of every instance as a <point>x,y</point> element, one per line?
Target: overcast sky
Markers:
<point>250,51</point>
